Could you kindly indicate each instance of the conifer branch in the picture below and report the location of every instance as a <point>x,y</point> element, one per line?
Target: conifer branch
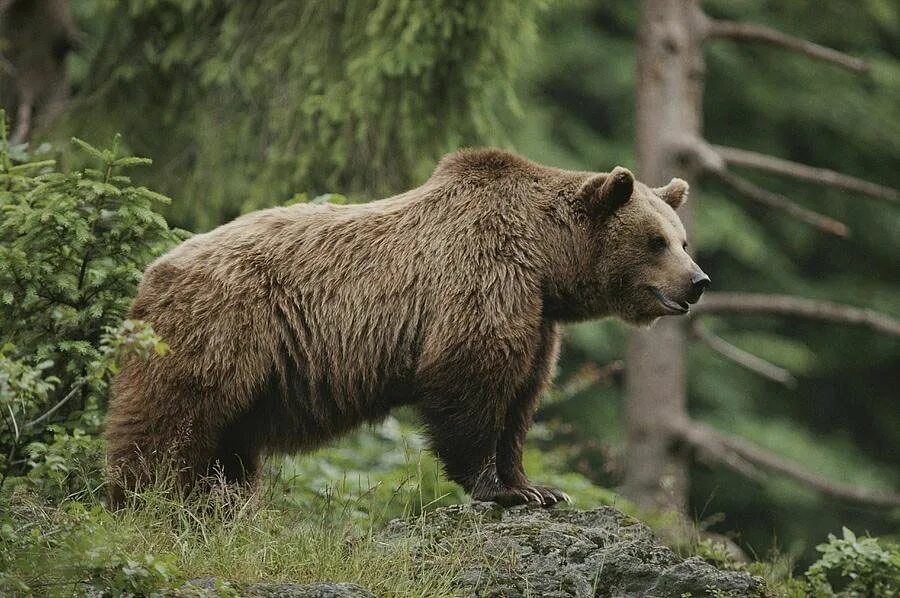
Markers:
<point>747,458</point>
<point>780,202</point>
<point>743,358</point>
<point>821,176</point>
<point>761,33</point>
<point>760,303</point>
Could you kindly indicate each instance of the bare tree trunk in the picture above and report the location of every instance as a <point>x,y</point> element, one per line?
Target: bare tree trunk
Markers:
<point>669,143</point>
<point>35,38</point>
<point>669,109</point>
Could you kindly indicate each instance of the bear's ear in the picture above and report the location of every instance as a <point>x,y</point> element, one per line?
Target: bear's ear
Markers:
<point>606,193</point>
<point>674,194</point>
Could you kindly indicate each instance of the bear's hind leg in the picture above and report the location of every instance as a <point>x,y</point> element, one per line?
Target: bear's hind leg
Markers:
<point>237,457</point>
<point>146,448</point>
<point>146,456</point>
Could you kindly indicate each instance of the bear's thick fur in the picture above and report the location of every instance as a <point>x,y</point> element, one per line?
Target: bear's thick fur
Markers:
<point>291,326</point>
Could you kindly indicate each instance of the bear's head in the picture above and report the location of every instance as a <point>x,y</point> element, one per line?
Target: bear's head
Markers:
<point>636,262</point>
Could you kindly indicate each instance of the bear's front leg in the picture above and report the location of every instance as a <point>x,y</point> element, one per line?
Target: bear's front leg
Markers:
<point>466,443</point>
<point>509,456</point>
<point>519,417</point>
<point>464,404</point>
<point>478,405</point>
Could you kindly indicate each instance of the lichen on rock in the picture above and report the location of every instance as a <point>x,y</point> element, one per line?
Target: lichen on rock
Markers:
<point>562,553</point>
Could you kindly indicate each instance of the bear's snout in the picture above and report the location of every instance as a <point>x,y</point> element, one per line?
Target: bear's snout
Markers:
<point>699,282</point>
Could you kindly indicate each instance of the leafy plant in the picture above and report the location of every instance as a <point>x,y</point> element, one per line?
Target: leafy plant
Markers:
<point>852,567</point>
<point>116,575</point>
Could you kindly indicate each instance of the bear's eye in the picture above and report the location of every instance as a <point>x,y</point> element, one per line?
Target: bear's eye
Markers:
<point>684,245</point>
<point>658,243</point>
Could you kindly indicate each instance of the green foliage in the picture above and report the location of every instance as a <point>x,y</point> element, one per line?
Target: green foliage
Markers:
<point>69,463</point>
<point>386,472</point>
<point>852,567</point>
<point>253,101</point>
<point>114,575</point>
<point>75,545</point>
<point>22,386</point>
<point>385,469</point>
<point>715,552</point>
<point>72,249</point>
<point>849,567</point>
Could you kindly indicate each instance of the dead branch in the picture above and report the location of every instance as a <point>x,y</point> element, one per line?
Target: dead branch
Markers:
<point>23,123</point>
<point>778,201</point>
<point>821,176</point>
<point>744,457</point>
<point>15,424</point>
<point>709,451</point>
<point>760,303</point>
<point>761,33</point>
<point>707,159</point>
<point>56,407</point>
<point>743,358</point>
<point>590,375</point>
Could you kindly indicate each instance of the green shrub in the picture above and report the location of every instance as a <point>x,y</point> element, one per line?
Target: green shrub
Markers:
<point>72,248</point>
<point>852,567</point>
<point>115,575</point>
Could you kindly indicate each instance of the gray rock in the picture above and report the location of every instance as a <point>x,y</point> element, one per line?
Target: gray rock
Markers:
<point>560,553</point>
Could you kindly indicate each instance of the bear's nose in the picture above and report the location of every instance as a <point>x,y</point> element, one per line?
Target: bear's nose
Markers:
<point>699,282</point>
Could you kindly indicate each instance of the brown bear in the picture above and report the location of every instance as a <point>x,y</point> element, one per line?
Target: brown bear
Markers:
<point>291,326</point>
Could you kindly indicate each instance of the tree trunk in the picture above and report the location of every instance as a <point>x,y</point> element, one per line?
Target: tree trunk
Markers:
<point>35,38</point>
<point>669,109</point>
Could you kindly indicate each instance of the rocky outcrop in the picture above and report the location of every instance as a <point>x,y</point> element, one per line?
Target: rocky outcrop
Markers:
<point>561,553</point>
<point>546,553</point>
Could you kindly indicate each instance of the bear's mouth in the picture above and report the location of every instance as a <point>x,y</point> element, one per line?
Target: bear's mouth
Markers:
<point>676,307</point>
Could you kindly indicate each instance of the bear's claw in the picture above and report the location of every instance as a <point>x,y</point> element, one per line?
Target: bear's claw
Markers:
<point>550,495</point>
<point>509,496</point>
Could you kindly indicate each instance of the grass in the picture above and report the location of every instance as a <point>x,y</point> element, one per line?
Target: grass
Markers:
<point>242,536</point>
<point>314,518</point>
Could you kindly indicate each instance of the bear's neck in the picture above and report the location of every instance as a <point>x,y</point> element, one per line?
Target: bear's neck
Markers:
<point>571,291</point>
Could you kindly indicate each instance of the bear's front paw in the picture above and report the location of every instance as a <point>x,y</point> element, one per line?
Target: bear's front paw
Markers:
<point>509,496</point>
<point>550,495</point>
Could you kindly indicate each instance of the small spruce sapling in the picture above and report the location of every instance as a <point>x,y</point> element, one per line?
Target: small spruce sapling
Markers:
<point>73,245</point>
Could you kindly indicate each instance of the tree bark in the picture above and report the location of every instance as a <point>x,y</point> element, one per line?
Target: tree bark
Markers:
<point>35,38</point>
<point>669,109</point>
